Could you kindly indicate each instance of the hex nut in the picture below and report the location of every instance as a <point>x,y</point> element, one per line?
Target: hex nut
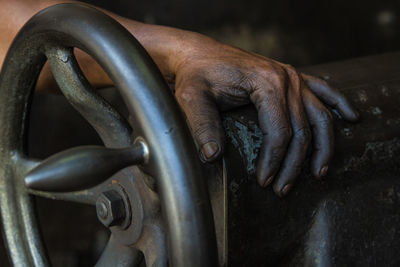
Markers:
<point>110,208</point>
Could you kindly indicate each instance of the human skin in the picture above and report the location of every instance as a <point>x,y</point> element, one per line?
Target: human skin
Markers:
<point>210,77</point>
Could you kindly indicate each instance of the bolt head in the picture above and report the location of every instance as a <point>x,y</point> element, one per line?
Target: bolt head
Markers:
<point>110,208</point>
<point>101,209</point>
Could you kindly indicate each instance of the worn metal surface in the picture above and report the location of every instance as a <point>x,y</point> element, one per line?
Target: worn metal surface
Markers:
<point>172,157</point>
<point>111,209</point>
<point>267,230</point>
<point>82,167</point>
<point>349,218</point>
<point>264,229</point>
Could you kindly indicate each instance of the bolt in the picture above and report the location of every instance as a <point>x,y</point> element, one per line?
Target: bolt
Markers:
<point>102,210</point>
<point>110,208</point>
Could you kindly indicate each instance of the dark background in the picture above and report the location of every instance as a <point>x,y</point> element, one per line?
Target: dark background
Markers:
<point>295,32</point>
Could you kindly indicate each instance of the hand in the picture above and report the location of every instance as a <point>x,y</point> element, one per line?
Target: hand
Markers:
<point>214,77</point>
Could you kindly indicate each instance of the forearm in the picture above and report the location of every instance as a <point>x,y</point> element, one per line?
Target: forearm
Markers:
<point>164,44</point>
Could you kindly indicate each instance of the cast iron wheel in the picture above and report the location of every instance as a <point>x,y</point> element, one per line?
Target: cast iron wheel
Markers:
<point>159,142</point>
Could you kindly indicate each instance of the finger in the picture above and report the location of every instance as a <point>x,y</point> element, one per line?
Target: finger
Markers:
<point>321,123</point>
<point>275,126</point>
<point>332,97</point>
<point>203,119</point>
<point>298,146</point>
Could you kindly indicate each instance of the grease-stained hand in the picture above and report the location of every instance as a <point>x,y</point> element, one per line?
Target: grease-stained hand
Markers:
<point>291,111</point>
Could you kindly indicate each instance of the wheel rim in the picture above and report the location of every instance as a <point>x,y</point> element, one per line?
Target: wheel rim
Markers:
<point>172,158</point>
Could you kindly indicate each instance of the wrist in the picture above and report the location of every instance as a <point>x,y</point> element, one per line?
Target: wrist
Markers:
<point>162,43</point>
<point>169,47</point>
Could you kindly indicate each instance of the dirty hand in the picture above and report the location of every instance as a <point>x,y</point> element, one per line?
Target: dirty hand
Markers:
<point>215,76</point>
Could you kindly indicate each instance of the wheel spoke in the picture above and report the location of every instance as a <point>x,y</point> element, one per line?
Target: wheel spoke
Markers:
<point>109,124</point>
<point>18,214</point>
<point>116,254</point>
<point>24,165</point>
<point>83,196</point>
<point>82,167</point>
<point>153,245</point>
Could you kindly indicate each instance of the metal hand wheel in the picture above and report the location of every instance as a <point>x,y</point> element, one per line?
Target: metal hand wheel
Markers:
<point>173,226</point>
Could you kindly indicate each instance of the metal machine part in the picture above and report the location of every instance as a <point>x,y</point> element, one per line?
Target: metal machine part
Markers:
<point>124,203</point>
<point>112,209</point>
<point>351,217</point>
<point>81,168</point>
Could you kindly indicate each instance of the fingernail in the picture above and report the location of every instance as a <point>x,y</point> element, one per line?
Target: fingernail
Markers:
<point>268,181</point>
<point>286,189</point>
<point>323,171</point>
<point>209,150</point>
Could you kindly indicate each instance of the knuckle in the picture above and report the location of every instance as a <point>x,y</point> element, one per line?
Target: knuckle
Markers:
<point>294,76</point>
<point>243,80</point>
<point>273,74</point>
<point>281,136</point>
<point>184,96</point>
<point>205,129</point>
<point>325,117</point>
<point>279,70</point>
<point>286,133</point>
<point>245,84</point>
<point>303,136</point>
<point>291,70</point>
<point>280,77</point>
<point>275,157</point>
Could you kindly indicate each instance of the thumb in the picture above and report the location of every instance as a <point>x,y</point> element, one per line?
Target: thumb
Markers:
<point>203,119</point>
